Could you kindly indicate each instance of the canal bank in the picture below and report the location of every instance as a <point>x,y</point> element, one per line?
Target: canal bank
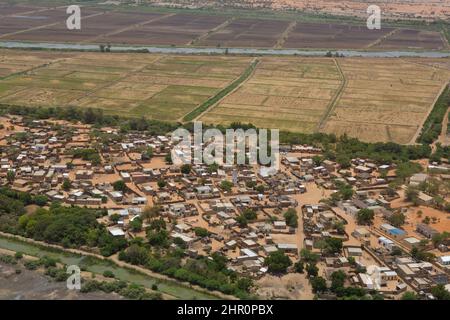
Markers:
<point>97,264</point>
<point>223,51</point>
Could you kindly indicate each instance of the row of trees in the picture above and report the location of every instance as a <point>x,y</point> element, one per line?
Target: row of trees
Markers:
<point>336,148</point>
<point>211,274</point>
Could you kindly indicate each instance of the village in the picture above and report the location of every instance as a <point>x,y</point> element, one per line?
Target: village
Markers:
<point>326,219</point>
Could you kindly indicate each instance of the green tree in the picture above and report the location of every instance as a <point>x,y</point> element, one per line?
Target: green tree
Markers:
<point>161,184</point>
<point>147,154</point>
<point>411,194</point>
<point>309,256</point>
<point>120,185</point>
<point>136,225</point>
<point>108,274</point>
<point>440,293</point>
<point>365,216</point>
<point>318,284</point>
<point>114,217</point>
<point>277,262</point>
<point>226,185</point>
<point>213,167</point>
<point>242,220</point>
<point>135,254</point>
<point>407,169</point>
<point>397,219</point>
<point>201,232</point>
<point>10,176</point>
<point>168,158</point>
<point>249,214</point>
<point>312,270</point>
<point>409,295</point>
<point>158,238</point>
<point>299,266</point>
<point>343,161</point>
<point>332,245</point>
<point>40,200</point>
<point>66,185</point>
<point>260,188</point>
<point>440,238</point>
<point>338,280</point>
<point>291,218</point>
<point>186,168</point>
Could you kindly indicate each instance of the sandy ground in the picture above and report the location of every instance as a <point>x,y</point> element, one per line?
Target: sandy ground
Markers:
<point>293,286</point>
<point>441,224</point>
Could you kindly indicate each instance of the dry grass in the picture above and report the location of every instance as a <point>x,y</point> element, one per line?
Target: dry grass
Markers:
<point>382,99</point>
<point>155,86</point>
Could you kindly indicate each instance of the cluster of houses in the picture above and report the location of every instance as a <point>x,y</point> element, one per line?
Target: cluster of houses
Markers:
<point>235,210</point>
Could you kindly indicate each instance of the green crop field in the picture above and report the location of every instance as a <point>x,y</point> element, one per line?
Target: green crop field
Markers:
<point>155,86</point>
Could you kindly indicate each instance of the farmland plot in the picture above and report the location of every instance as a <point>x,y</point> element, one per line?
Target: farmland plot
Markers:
<point>247,33</point>
<point>288,94</point>
<point>155,86</point>
<point>385,100</point>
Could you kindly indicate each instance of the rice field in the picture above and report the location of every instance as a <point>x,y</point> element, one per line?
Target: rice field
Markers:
<point>285,93</point>
<point>371,99</point>
<point>155,86</point>
<point>385,100</point>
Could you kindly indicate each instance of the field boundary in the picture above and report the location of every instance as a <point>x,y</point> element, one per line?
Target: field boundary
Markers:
<point>222,93</point>
<point>110,83</point>
<point>382,38</point>
<point>435,108</point>
<point>210,32</point>
<point>445,39</point>
<point>134,26</point>
<point>285,35</point>
<point>46,26</point>
<point>333,102</point>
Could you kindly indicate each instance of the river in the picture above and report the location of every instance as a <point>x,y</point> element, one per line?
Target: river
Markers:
<point>236,51</point>
<point>96,266</point>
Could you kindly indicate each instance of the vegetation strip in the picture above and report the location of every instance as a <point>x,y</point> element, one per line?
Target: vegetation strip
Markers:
<point>219,96</point>
<point>336,97</point>
<point>433,125</point>
<point>90,259</point>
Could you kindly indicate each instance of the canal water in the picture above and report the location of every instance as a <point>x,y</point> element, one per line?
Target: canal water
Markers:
<point>172,288</point>
<point>242,51</point>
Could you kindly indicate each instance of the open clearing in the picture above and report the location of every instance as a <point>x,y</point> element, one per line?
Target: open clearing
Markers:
<point>372,99</point>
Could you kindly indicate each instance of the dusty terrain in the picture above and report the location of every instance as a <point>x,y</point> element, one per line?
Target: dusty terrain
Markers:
<point>406,9</point>
<point>32,285</point>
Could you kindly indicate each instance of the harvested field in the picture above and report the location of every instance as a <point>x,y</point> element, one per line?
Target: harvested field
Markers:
<point>7,10</point>
<point>284,93</point>
<point>247,33</point>
<point>155,86</point>
<point>372,99</point>
<point>19,22</point>
<point>385,101</point>
<point>380,100</point>
<point>412,39</point>
<point>179,29</point>
<point>93,24</point>
<point>29,23</point>
<point>329,36</point>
